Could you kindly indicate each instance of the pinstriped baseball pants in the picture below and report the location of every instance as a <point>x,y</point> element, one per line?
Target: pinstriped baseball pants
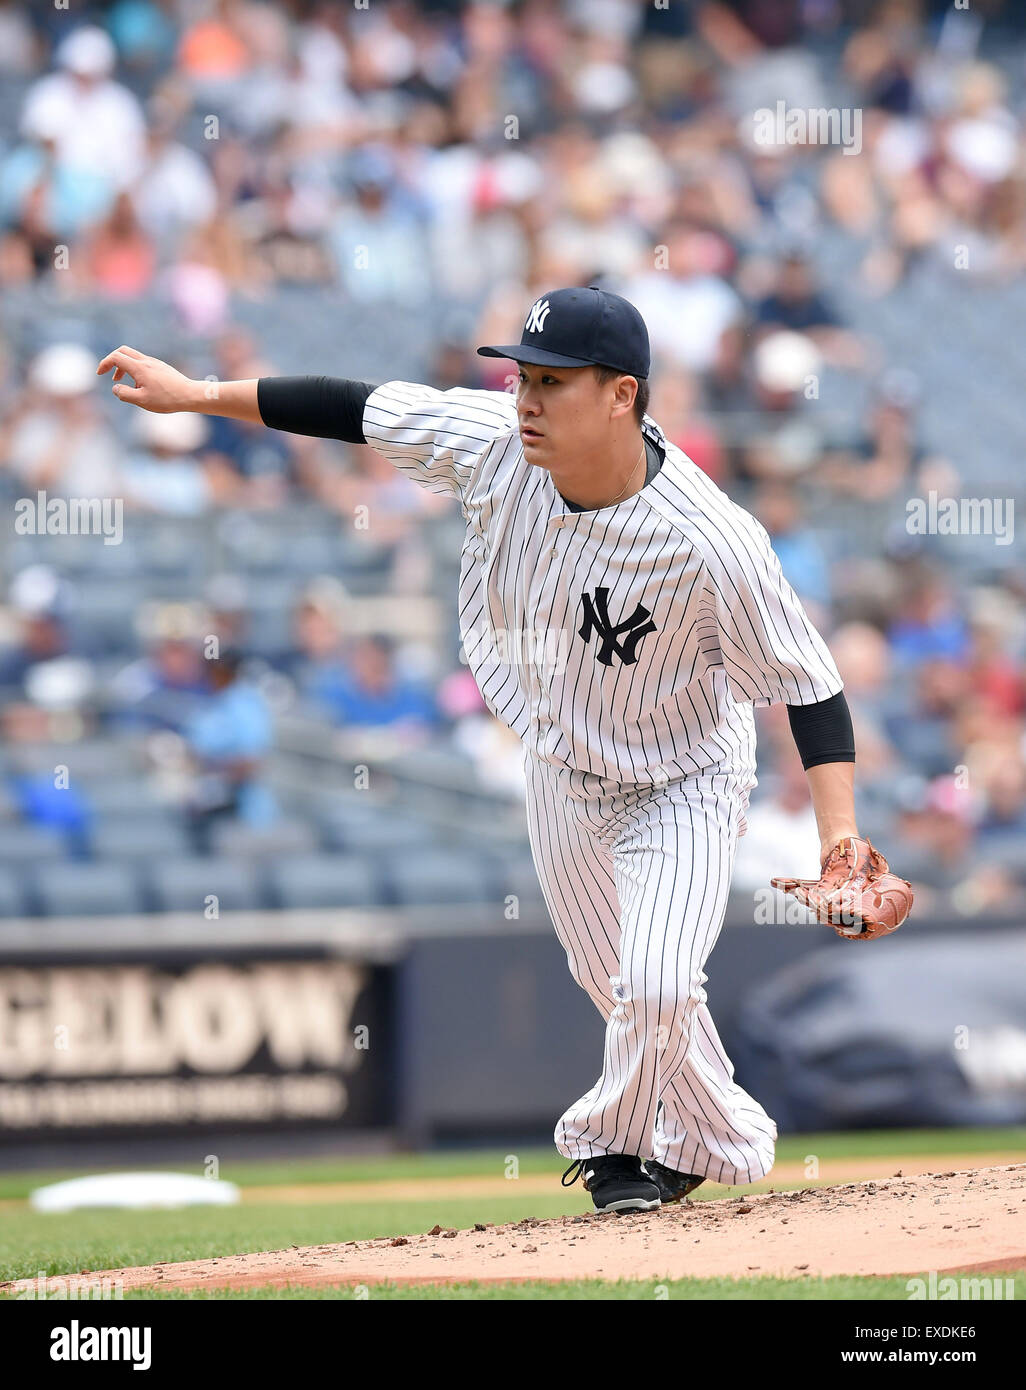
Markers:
<point>636,882</point>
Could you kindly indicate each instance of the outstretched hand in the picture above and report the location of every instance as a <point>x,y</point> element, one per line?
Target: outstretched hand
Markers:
<point>157,386</point>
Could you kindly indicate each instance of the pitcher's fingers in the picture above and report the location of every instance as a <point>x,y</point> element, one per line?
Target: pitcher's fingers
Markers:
<point>120,357</point>
<point>133,394</point>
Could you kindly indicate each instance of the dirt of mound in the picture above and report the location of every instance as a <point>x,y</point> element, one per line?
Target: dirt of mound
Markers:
<point>830,1170</point>
<point>948,1222</point>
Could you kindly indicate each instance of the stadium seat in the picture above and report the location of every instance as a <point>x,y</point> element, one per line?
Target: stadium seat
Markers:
<point>97,758</point>
<point>1004,849</point>
<point>120,796</point>
<point>104,613</point>
<point>184,885</point>
<point>12,896</point>
<point>143,837</point>
<point>26,844</point>
<point>374,828</point>
<point>517,874</point>
<point>317,555</point>
<point>326,880</point>
<point>172,548</point>
<point>429,876</point>
<point>86,890</point>
<point>354,560</point>
<point>269,631</point>
<point>235,839</point>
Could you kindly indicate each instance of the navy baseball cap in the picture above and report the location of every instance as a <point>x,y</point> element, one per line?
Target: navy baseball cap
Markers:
<point>581,328</point>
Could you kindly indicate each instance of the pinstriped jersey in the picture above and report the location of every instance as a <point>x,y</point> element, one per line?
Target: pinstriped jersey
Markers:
<point>629,641</point>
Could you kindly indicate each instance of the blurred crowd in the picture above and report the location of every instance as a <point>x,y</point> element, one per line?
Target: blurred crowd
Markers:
<point>462,158</point>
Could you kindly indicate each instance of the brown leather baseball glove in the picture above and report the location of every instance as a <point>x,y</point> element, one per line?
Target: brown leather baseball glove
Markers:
<point>856,893</point>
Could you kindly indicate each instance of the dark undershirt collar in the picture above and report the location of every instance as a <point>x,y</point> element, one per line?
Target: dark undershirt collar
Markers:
<point>655,462</point>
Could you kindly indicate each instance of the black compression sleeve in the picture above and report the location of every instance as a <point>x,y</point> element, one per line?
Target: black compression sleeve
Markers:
<point>823,732</point>
<point>330,407</point>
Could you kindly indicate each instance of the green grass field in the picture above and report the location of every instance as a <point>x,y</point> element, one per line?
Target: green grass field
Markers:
<point>32,1242</point>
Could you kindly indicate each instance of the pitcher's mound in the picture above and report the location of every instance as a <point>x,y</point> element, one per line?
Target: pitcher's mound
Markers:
<point>944,1222</point>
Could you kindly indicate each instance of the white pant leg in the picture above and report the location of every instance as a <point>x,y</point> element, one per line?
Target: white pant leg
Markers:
<point>672,855</point>
<point>570,843</point>
<point>708,1124</point>
<point>691,1138</point>
<point>575,870</point>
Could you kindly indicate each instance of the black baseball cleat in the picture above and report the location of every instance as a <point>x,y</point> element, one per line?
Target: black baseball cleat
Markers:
<point>673,1186</point>
<point>617,1182</point>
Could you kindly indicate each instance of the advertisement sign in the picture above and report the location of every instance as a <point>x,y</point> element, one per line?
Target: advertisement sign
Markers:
<point>150,1045</point>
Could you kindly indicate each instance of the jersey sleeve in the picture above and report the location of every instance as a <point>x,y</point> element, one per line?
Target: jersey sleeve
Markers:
<point>436,437</point>
<point>769,649</point>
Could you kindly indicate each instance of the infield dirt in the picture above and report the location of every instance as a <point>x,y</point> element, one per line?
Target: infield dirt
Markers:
<point>952,1222</point>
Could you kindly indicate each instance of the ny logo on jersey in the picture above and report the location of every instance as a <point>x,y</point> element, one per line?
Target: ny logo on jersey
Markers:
<point>536,318</point>
<point>630,631</point>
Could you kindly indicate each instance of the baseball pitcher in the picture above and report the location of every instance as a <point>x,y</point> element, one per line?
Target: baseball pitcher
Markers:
<point>623,616</point>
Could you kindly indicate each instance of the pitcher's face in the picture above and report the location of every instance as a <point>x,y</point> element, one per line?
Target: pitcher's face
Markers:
<point>564,413</point>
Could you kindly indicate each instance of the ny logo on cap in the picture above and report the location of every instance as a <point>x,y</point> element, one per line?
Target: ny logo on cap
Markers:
<point>596,619</point>
<point>536,318</point>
